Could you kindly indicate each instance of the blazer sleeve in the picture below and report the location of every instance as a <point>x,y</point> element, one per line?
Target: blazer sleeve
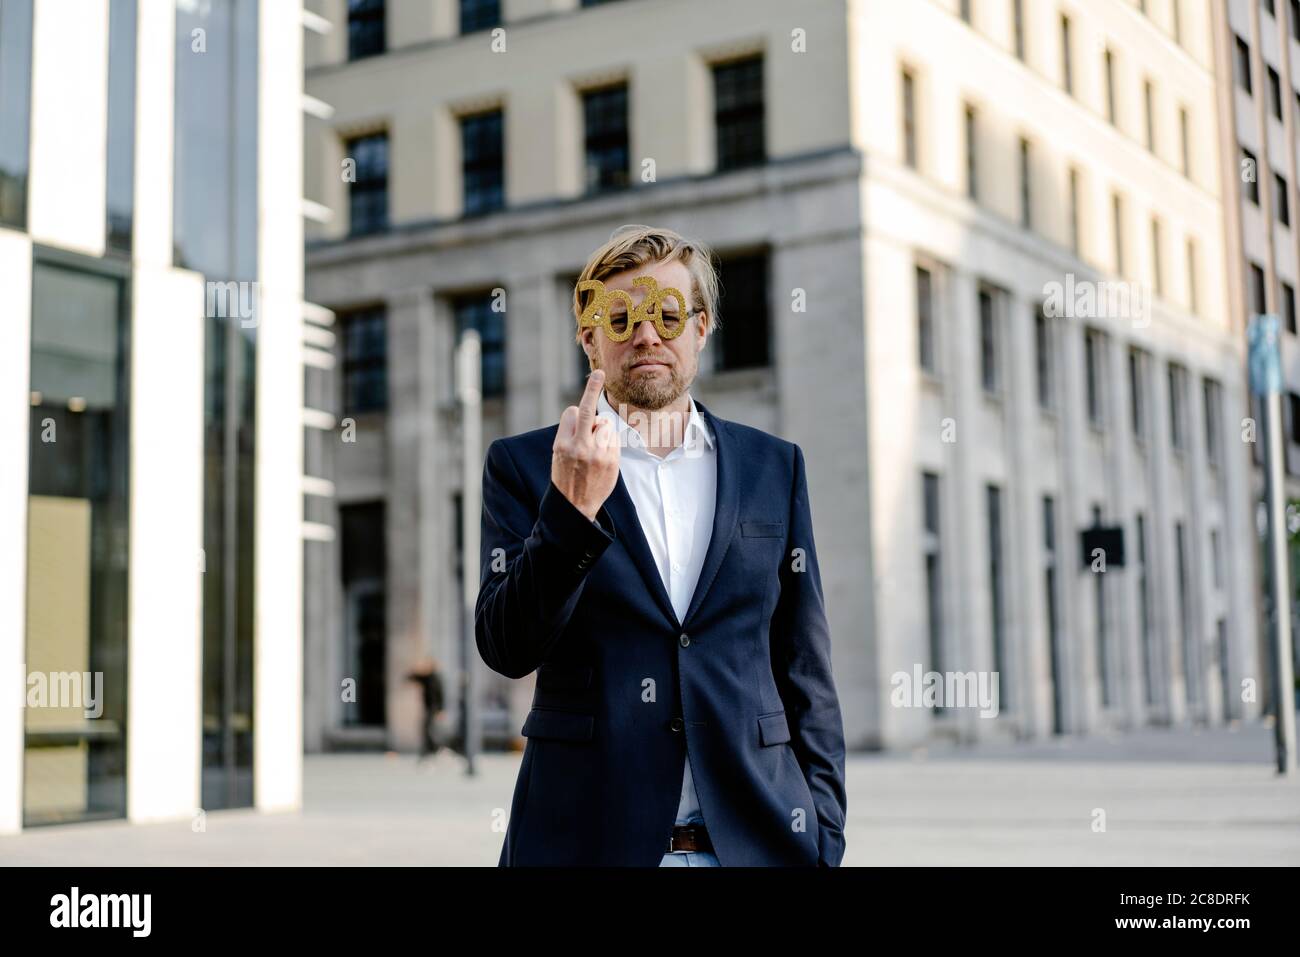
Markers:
<point>534,560</point>
<point>800,643</point>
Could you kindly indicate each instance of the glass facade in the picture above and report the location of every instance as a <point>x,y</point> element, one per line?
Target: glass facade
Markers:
<point>215,227</point>
<point>121,123</point>
<point>78,550</point>
<point>15,109</point>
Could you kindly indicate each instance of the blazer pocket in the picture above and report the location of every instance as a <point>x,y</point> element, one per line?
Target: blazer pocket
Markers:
<point>762,529</point>
<point>559,676</point>
<point>558,725</point>
<point>773,729</point>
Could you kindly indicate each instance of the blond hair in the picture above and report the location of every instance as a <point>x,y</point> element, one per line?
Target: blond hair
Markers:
<point>635,245</point>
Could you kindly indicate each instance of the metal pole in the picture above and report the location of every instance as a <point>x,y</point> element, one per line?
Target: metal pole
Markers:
<point>1279,586</point>
<point>1265,381</point>
<point>469,391</point>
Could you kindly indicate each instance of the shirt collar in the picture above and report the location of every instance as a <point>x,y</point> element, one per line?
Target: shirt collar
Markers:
<point>695,426</point>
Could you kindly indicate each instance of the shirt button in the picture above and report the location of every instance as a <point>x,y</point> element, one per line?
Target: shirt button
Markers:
<point>684,640</point>
<point>676,724</point>
<point>676,567</point>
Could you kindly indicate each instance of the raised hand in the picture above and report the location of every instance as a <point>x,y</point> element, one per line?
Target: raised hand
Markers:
<point>584,458</point>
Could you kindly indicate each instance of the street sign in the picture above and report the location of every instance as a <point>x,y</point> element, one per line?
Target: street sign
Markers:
<point>1108,539</point>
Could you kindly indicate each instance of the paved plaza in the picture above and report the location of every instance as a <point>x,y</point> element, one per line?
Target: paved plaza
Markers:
<point>1168,797</point>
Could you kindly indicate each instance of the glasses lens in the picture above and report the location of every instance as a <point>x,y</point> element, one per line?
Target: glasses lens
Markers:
<point>618,321</point>
<point>672,320</point>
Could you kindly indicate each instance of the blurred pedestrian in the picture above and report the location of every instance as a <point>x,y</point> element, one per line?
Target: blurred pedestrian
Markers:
<point>427,675</point>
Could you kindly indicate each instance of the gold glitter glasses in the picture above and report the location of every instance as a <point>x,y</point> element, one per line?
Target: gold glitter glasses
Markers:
<point>613,310</point>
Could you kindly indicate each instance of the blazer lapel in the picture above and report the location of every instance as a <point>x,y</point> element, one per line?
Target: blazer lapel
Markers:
<point>724,512</point>
<point>628,525</point>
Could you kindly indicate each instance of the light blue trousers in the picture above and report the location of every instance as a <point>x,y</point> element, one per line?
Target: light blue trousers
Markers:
<point>690,859</point>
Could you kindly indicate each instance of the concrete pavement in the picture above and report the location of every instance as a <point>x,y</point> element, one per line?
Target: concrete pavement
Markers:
<point>1168,797</point>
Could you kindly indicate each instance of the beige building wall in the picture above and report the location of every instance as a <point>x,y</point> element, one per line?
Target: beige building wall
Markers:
<point>846,222</point>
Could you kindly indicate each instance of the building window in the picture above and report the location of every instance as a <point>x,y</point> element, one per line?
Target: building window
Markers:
<point>1026,186</point>
<point>1074,210</point>
<point>1092,367</point>
<point>1274,93</point>
<point>596,3</point>
<point>1177,436</point>
<point>15,109</point>
<point>1288,306</point>
<point>365,361</point>
<point>1184,142</point>
<point>1269,8</point>
<point>1109,59</point>
<point>997,596</point>
<point>365,28</point>
<point>1149,111</point>
<point>476,312</point>
<point>909,120</point>
<point>972,154</point>
<point>1193,299</point>
<point>739,113</point>
<point>1117,228</point>
<point>1177,14</point>
<point>1191,664</point>
<point>364,573</point>
<point>214,230</point>
<point>1144,610</point>
<point>1293,427</point>
<point>1210,394</point>
<point>1295,20</point>
<point>963,8</point>
<point>1103,669</point>
<point>1281,201</point>
<point>1251,181</point>
<point>932,546</point>
<point>744,340</point>
<point>1137,393</point>
<point>1216,558</point>
<point>1242,63</point>
<point>607,158</point>
<point>1157,259</point>
<point>120,186</point>
<point>1050,608</point>
<point>989,371</point>
<point>1018,26</point>
<point>368,193</point>
<point>1258,304</point>
<point>925,321</point>
<point>1067,64</point>
<point>1043,364</point>
<point>483,162</point>
<point>478,15</point>
<point>78,538</point>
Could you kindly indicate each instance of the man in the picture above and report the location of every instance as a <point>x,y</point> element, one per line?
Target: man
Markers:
<point>655,565</point>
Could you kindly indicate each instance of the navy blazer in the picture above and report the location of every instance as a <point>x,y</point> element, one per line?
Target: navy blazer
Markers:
<point>624,689</point>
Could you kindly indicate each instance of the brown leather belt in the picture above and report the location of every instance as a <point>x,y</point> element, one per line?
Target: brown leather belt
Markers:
<point>689,837</point>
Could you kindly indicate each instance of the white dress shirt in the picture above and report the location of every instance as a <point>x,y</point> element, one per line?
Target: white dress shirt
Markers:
<point>675,498</point>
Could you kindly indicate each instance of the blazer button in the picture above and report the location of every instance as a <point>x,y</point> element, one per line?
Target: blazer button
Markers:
<point>684,640</point>
<point>676,724</point>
